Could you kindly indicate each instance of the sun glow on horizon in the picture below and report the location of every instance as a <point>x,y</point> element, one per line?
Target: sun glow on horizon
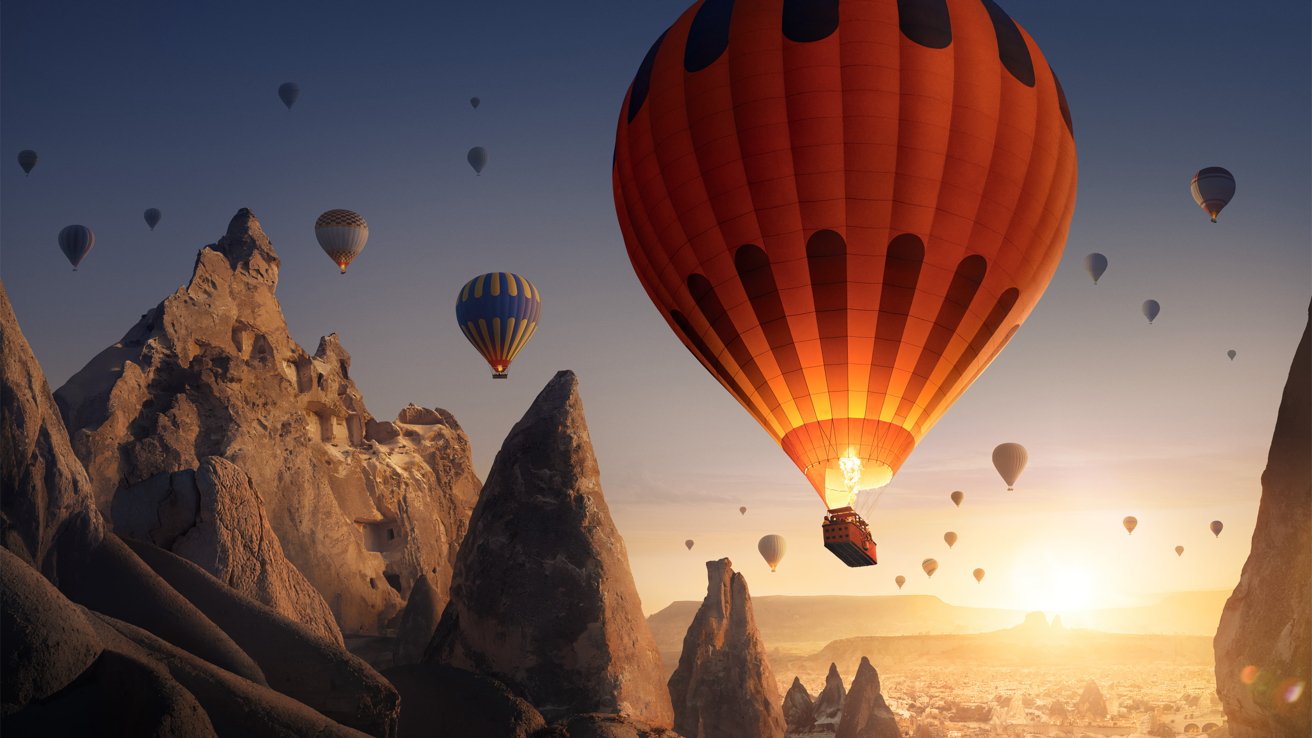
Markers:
<point>1053,583</point>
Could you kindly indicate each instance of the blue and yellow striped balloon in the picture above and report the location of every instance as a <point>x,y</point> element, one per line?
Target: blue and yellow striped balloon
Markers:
<point>498,312</point>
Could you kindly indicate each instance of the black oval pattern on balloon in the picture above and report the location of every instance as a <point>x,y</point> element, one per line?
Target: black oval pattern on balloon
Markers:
<point>810,20</point>
<point>926,22</point>
<point>642,80</point>
<point>709,35</point>
<point>1061,100</point>
<point>1012,51</point>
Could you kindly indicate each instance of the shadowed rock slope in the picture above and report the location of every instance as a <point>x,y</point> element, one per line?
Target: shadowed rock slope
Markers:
<point>1267,623</point>
<point>723,687</point>
<point>542,599</point>
<point>360,508</point>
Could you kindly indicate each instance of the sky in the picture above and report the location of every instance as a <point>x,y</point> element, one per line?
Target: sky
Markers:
<point>174,105</point>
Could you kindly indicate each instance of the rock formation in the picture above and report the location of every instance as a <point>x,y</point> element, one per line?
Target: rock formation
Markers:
<point>418,622</point>
<point>829,703</point>
<point>139,654</point>
<point>46,509</point>
<point>1264,641</point>
<point>60,680</point>
<point>799,708</point>
<point>542,598</point>
<point>723,687</point>
<point>865,713</point>
<point>361,508</point>
<point>1091,705</point>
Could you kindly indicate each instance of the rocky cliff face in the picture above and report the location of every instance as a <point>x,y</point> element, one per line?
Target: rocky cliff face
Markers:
<point>1264,642</point>
<point>829,703</point>
<point>360,507</point>
<point>865,713</point>
<point>46,508</point>
<point>799,708</point>
<point>542,598</point>
<point>723,687</point>
<point>152,649</point>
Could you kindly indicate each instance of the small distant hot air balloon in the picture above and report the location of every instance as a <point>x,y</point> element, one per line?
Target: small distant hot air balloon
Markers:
<point>1232,354</point>
<point>27,159</point>
<point>498,312</point>
<point>950,538</point>
<point>477,157</point>
<point>1095,264</point>
<point>76,241</point>
<point>1010,460</point>
<point>1213,188</point>
<point>957,497</point>
<point>979,575</point>
<point>900,580</point>
<point>288,92</point>
<point>742,511</point>
<point>1216,527</point>
<point>152,216</point>
<point>930,566</point>
<point>1151,308</point>
<point>1130,524</point>
<point>474,102</point>
<point>1179,550</point>
<point>689,544</point>
<point>772,548</point>
<point>342,235</point>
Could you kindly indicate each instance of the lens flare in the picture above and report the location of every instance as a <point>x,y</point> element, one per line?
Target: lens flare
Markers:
<point>1292,692</point>
<point>1249,674</point>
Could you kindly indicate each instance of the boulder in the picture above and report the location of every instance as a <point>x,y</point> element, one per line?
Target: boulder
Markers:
<point>445,702</point>
<point>542,598</point>
<point>865,713</point>
<point>798,708</point>
<point>1263,644</point>
<point>723,686</point>
<point>212,371</point>
<point>295,660</point>
<point>418,622</point>
<point>829,703</point>
<point>215,517</point>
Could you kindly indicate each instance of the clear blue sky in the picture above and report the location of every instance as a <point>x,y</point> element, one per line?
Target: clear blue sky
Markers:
<point>173,105</point>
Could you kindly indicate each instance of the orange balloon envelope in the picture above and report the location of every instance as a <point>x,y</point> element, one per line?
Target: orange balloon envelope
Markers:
<point>845,210</point>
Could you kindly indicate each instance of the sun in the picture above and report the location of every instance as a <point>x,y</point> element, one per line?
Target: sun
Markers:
<point>1048,581</point>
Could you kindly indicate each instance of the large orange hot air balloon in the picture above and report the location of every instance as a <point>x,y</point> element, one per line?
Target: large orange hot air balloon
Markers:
<point>845,210</point>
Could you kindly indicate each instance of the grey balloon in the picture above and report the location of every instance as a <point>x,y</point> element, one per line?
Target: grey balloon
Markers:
<point>1151,309</point>
<point>76,241</point>
<point>477,157</point>
<point>152,216</point>
<point>473,101</point>
<point>1232,354</point>
<point>1095,264</point>
<point>288,92</point>
<point>27,160</point>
